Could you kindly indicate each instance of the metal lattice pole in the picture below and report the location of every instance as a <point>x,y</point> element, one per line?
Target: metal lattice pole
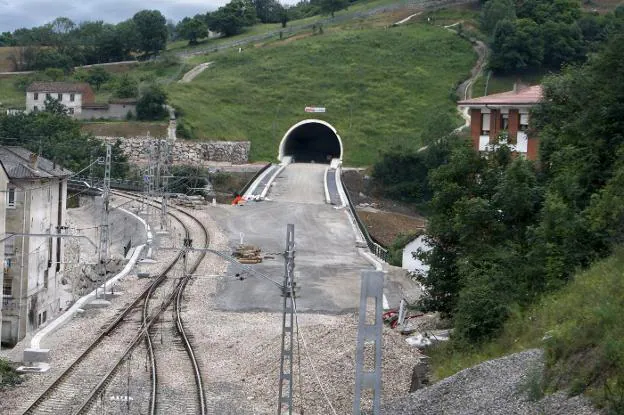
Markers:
<point>285,400</point>
<point>104,225</point>
<point>371,286</point>
<point>164,163</point>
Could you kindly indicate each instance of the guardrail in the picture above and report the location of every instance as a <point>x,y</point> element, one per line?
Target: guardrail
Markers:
<point>374,246</point>
<point>254,177</point>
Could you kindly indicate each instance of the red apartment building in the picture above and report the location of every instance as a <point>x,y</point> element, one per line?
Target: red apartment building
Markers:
<point>507,111</point>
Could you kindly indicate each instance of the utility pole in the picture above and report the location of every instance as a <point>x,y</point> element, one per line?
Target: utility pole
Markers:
<point>164,173</point>
<point>285,400</point>
<point>104,236</point>
<point>371,287</point>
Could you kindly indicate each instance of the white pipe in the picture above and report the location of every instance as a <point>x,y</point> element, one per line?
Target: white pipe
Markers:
<point>63,318</point>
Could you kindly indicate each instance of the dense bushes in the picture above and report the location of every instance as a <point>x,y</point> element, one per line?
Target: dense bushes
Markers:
<point>504,231</point>
<point>541,33</point>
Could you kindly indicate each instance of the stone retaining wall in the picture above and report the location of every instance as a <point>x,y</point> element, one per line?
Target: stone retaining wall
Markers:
<point>193,153</point>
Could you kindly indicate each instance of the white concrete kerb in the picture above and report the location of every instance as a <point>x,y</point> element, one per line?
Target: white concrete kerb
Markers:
<point>327,198</point>
<point>341,191</point>
<point>78,305</point>
<point>272,179</point>
<point>249,193</point>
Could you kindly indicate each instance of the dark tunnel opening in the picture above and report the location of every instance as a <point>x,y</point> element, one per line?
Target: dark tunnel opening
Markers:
<point>312,142</point>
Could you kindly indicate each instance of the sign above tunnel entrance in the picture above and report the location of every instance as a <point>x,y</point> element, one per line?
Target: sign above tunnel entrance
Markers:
<point>314,109</point>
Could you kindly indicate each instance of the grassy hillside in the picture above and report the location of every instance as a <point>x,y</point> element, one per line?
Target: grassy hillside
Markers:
<point>580,327</point>
<point>379,87</point>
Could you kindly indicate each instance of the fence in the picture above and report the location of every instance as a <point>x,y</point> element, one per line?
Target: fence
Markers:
<point>374,246</point>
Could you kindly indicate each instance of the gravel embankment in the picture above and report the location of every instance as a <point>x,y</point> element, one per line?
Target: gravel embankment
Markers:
<point>495,387</point>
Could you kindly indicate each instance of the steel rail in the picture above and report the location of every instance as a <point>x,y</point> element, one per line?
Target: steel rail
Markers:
<point>179,293</point>
<point>114,325</point>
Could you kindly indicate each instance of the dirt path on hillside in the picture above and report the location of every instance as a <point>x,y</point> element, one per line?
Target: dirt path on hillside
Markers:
<point>193,73</point>
<point>464,90</point>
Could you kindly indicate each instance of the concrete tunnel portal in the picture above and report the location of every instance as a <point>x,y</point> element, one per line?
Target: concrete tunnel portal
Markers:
<point>311,141</point>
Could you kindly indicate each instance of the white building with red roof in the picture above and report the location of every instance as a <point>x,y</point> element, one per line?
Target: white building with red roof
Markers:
<point>508,111</point>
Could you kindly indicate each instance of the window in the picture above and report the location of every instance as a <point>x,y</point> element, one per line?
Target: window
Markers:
<point>35,108</point>
<point>72,97</point>
<point>7,286</point>
<point>45,279</point>
<point>504,122</point>
<point>60,97</point>
<point>45,316</point>
<point>48,96</point>
<point>524,122</point>
<point>11,198</point>
<point>36,96</point>
<point>70,110</point>
<point>485,124</point>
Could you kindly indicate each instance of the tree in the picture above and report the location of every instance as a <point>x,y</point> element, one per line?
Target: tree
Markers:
<point>127,34</point>
<point>332,6</point>
<point>563,43</point>
<point>192,29</point>
<point>127,87</point>
<point>98,76</point>
<point>284,16</point>
<point>494,11</point>
<point>151,27</point>
<point>151,105</point>
<point>7,39</point>
<point>268,11</point>
<point>53,106</point>
<point>232,18</point>
<point>517,45</point>
<point>59,139</point>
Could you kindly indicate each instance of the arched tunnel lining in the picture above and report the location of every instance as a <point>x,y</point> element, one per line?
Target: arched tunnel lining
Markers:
<point>312,142</point>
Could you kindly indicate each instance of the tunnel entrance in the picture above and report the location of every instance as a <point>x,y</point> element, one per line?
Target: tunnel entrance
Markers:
<point>311,141</point>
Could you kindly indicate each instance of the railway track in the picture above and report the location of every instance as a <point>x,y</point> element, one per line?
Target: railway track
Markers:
<point>77,389</point>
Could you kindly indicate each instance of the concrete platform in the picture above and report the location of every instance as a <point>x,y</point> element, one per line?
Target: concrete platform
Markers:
<point>97,303</point>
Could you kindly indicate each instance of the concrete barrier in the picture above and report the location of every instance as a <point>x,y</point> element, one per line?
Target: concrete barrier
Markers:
<point>79,305</point>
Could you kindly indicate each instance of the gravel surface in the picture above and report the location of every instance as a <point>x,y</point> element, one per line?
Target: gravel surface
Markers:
<point>239,352</point>
<point>495,387</point>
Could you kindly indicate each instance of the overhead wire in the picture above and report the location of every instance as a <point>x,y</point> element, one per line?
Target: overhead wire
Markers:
<point>305,348</point>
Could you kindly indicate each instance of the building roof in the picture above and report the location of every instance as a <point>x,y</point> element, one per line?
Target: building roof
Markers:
<point>127,101</point>
<point>95,106</point>
<point>19,163</point>
<point>525,96</point>
<point>59,87</point>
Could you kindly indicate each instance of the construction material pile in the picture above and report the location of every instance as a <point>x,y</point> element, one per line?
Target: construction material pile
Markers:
<point>247,254</point>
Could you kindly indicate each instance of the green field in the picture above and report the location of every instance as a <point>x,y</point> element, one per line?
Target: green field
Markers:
<point>379,87</point>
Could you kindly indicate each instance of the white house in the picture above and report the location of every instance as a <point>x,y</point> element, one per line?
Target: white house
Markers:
<point>73,95</point>
<point>36,195</point>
